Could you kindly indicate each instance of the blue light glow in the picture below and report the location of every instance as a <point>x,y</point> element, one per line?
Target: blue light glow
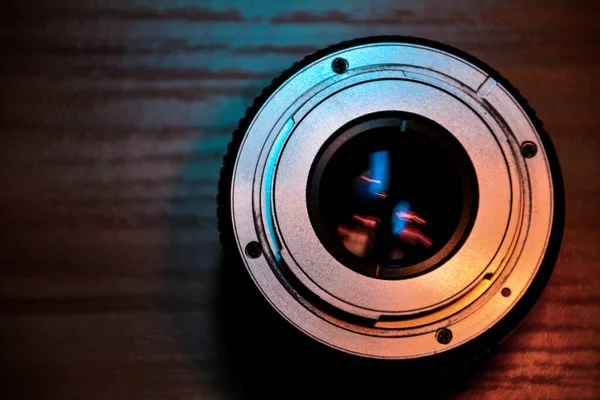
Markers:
<point>399,222</point>
<point>375,184</point>
<point>267,197</point>
<point>379,163</point>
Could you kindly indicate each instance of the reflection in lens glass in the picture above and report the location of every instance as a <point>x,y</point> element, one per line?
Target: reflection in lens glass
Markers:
<point>405,227</point>
<point>372,184</point>
<point>391,194</point>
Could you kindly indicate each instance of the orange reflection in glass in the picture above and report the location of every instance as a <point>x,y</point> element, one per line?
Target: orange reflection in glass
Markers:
<point>360,240</point>
<point>370,222</point>
<point>357,241</point>
<point>411,233</point>
<point>413,236</point>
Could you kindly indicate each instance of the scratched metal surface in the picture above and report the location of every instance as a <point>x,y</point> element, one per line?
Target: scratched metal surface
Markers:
<point>114,117</point>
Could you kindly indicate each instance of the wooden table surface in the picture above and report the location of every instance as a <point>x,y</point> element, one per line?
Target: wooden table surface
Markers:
<point>114,117</point>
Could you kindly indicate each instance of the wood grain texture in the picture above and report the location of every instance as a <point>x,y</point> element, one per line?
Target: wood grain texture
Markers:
<point>114,117</point>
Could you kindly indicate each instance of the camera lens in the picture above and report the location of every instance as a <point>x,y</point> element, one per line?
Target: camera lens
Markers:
<point>379,196</point>
<point>392,195</point>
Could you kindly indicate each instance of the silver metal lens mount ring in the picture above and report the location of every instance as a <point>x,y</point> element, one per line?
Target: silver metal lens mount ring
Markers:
<point>501,264</point>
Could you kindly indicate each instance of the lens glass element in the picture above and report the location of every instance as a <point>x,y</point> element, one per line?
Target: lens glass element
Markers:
<point>392,191</point>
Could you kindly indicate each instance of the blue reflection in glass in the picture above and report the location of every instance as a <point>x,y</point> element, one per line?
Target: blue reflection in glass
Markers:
<point>374,183</point>
<point>398,221</point>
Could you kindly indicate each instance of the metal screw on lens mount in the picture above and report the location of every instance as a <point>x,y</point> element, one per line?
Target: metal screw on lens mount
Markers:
<point>253,250</point>
<point>528,149</point>
<point>339,65</point>
<point>444,336</point>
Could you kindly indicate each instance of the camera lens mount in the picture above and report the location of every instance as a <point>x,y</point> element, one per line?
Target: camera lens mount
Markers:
<point>380,197</point>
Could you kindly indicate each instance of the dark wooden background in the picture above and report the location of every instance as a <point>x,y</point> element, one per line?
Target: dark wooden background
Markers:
<point>114,117</point>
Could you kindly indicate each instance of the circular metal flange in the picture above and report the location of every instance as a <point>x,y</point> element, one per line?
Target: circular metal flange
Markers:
<point>506,248</point>
<point>302,248</point>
